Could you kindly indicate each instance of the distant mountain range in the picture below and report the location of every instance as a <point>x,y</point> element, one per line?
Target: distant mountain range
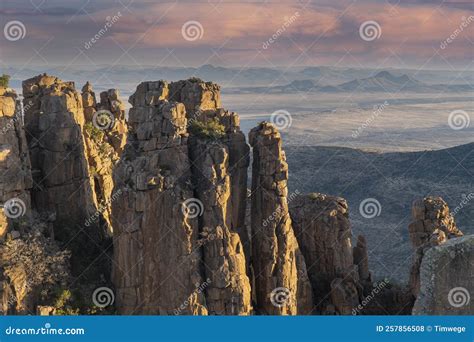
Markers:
<point>243,79</point>
<point>383,81</point>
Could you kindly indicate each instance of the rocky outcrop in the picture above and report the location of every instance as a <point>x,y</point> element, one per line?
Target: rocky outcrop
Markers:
<point>323,230</point>
<point>54,122</point>
<point>179,171</point>
<point>361,259</point>
<point>116,134</point>
<point>446,284</point>
<point>196,95</point>
<point>223,254</point>
<point>15,168</point>
<point>156,248</point>
<point>281,281</point>
<point>432,225</point>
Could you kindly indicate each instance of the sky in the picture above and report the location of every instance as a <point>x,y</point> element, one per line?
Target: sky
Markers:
<point>345,33</point>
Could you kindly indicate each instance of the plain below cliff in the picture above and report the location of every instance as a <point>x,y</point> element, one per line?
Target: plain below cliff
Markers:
<point>395,180</point>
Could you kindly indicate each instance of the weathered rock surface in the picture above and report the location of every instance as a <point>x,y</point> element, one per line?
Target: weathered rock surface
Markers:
<point>54,121</point>
<point>104,144</point>
<point>187,187</point>
<point>15,168</point>
<point>447,279</point>
<point>432,225</point>
<point>276,258</point>
<point>323,230</point>
<point>223,254</point>
<point>116,135</point>
<point>156,248</point>
<point>196,95</point>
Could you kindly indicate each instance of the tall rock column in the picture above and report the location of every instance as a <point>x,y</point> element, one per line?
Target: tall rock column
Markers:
<point>203,103</point>
<point>54,120</point>
<point>105,138</point>
<point>323,230</point>
<point>432,225</point>
<point>281,281</point>
<point>223,256</point>
<point>156,249</point>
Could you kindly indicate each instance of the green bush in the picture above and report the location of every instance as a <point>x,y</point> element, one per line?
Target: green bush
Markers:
<point>4,80</point>
<point>211,129</point>
<point>96,134</point>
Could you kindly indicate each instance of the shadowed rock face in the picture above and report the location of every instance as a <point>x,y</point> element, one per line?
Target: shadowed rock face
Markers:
<point>446,285</point>
<point>156,249</point>
<point>15,168</point>
<point>323,231</point>
<point>31,265</point>
<point>54,122</point>
<point>432,225</point>
<point>276,258</point>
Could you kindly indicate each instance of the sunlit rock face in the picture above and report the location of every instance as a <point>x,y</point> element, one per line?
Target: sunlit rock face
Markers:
<point>277,261</point>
